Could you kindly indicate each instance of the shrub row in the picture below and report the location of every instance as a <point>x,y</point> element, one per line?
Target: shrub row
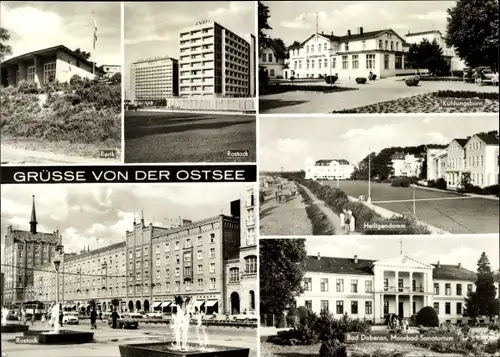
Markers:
<point>488,190</point>
<point>465,94</point>
<point>321,224</point>
<point>281,88</point>
<point>440,183</point>
<point>448,79</point>
<point>337,200</point>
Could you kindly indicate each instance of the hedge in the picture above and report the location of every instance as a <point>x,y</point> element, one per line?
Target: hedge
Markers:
<point>281,88</point>
<point>337,200</point>
<point>465,94</point>
<point>321,224</point>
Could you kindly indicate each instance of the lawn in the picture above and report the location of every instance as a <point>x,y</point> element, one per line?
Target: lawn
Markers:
<point>460,216</point>
<point>282,219</point>
<point>153,137</point>
<point>422,103</point>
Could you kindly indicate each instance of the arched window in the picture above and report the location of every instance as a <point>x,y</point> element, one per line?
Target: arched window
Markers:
<point>234,275</point>
<point>251,264</point>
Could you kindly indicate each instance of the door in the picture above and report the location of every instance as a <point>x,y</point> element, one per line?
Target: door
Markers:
<point>401,311</point>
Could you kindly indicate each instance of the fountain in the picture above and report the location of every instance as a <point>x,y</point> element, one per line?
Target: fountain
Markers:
<point>180,323</point>
<point>11,327</point>
<point>56,335</point>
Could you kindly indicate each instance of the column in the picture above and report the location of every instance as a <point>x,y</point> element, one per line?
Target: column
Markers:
<point>411,281</point>
<point>411,304</point>
<point>396,273</point>
<point>397,292</point>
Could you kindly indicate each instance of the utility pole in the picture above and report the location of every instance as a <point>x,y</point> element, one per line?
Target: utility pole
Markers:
<point>414,201</point>
<point>317,21</point>
<point>369,200</point>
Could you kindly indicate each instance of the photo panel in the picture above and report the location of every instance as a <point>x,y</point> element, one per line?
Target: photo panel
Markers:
<point>352,175</point>
<point>61,83</point>
<point>379,296</point>
<point>190,82</point>
<point>396,57</point>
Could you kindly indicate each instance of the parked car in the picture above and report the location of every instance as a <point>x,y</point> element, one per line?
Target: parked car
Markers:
<point>124,321</point>
<point>154,315</point>
<point>135,315</point>
<point>249,316</point>
<point>70,318</point>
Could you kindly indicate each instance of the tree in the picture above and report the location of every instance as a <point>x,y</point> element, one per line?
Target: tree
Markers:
<point>280,43</point>
<point>263,24</point>
<point>282,263</point>
<point>427,55</point>
<point>115,302</point>
<point>116,78</point>
<point>483,264</point>
<point>83,54</point>
<point>472,29</point>
<point>5,50</point>
<point>465,182</point>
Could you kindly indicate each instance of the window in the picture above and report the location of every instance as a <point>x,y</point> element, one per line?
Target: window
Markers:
<point>177,246</point>
<point>459,289</point>
<point>324,47</point>
<point>49,72</point>
<point>386,61</point>
<point>30,74</point>
<point>157,274</point>
<point>386,307</point>
<point>340,307</point>
<point>334,62</point>
<point>436,307</point>
<point>386,44</point>
<point>158,261</point>
<point>436,288</point>
<point>167,273</point>
<point>212,237</point>
<point>354,307</point>
<point>392,45</point>
<point>399,62</point>
<point>187,257</point>
<point>368,307</point>
<point>354,285</point>
<point>199,241</point>
<point>270,58</point>
<point>307,284</point>
<point>346,46</point>
<point>187,271</point>
<point>200,269</point>
<point>345,62</point>
<point>272,72</point>
<point>199,284</point>
<point>177,271</point>
<point>469,288</point>
<point>234,275</point>
<point>251,265</point>
<point>177,259</point>
<point>370,61</point>
<point>188,243</point>
<point>212,267</point>
<point>324,284</point>
<point>167,247</point>
<point>325,63</point>
<point>380,44</point>
<point>448,289</point>
<point>307,49</point>
<point>319,63</point>
<point>340,285</point>
<point>307,64</point>
<point>324,306</point>
<point>212,283</point>
<point>308,304</point>
<point>188,285</point>
<point>368,286</point>
<point>355,61</point>
<point>400,284</point>
<point>199,255</point>
<point>212,253</point>
<point>447,308</point>
<point>459,308</point>
<point>177,286</point>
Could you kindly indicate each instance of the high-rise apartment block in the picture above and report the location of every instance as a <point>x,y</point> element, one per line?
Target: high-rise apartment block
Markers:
<point>154,79</point>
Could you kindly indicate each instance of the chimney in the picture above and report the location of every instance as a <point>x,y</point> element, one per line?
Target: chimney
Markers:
<point>360,30</point>
<point>322,33</point>
<point>355,259</point>
<point>348,32</point>
<point>33,221</point>
<point>438,264</point>
<point>459,265</point>
<point>319,256</point>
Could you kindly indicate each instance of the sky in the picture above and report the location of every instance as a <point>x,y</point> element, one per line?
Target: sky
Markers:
<point>38,25</point>
<point>464,249</point>
<point>99,214</point>
<point>151,28</point>
<point>297,22</point>
<point>288,141</point>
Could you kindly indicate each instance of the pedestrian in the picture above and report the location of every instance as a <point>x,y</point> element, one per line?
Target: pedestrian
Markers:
<point>61,315</point>
<point>347,221</point>
<point>114,317</point>
<point>33,318</point>
<point>342,220</point>
<point>93,319</point>
<point>43,318</point>
<point>100,315</point>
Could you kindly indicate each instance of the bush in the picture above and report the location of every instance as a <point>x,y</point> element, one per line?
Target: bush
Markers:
<point>331,79</point>
<point>307,329</point>
<point>427,317</point>
<point>457,73</point>
<point>360,80</point>
<point>441,183</point>
<point>333,348</point>
<point>401,181</point>
<point>292,78</point>
<point>493,327</point>
<point>412,82</point>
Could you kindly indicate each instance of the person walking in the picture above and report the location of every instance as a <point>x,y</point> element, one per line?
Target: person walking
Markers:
<point>114,317</point>
<point>93,319</point>
<point>347,221</point>
<point>33,318</point>
<point>61,315</point>
<point>342,220</point>
<point>100,315</point>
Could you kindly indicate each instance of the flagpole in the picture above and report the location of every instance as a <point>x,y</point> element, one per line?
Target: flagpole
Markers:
<point>94,37</point>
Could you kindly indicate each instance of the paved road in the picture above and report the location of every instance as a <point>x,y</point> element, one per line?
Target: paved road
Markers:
<point>17,156</point>
<point>107,340</point>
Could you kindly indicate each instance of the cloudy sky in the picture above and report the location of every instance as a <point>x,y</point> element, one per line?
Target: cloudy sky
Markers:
<point>151,28</point>
<point>38,25</point>
<point>297,22</point>
<point>447,250</point>
<point>288,141</point>
<point>99,214</point>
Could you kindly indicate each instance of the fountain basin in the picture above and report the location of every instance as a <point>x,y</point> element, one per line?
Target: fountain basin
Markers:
<point>63,337</point>
<point>14,328</point>
<point>165,349</point>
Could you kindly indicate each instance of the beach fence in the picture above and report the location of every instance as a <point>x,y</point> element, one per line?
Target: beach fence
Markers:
<point>213,104</point>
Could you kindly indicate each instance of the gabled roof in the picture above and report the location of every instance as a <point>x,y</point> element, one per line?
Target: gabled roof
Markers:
<point>461,142</point>
<point>423,33</point>
<point>338,265</point>
<point>488,139</point>
<point>352,37</point>
<point>39,236</point>
<point>327,161</point>
<point>277,49</point>
<point>46,50</point>
<point>452,272</point>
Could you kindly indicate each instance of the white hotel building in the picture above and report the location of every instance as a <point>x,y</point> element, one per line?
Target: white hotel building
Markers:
<point>349,56</point>
<point>372,289</point>
<point>477,155</point>
<point>406,164</point>
<point>328,169</point>
<point>214,61</point>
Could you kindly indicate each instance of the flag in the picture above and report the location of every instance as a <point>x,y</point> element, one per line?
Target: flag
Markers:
<point>95,32</point>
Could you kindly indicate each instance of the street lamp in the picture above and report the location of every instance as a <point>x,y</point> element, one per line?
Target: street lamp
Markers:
<point>369,199</point>
<point>331,52</point>
<point>57,263</point>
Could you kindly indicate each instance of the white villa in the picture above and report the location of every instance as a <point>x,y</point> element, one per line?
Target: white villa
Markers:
<point>477,155</point>
<point>372,289</point>
<point>453,60</point>
<point>272,59</point>
<point>328,169</point>
<point>406,164</point>
<point>381,52</point>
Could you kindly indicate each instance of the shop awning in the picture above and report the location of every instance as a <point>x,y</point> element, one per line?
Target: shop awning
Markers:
<point>198,303</point>
<point>211,303</point>
<point>156,304</point>
<point>83,306</point>
<point>166,304</point>
<point>71,306</point>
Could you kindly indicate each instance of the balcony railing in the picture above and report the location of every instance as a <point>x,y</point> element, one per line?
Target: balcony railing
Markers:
<point>405,289</point>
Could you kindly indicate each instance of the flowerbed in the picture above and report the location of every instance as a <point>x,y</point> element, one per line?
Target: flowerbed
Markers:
<point>282,88</point>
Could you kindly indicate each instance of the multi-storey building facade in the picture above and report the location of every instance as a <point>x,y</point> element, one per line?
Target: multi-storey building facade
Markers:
<point>449,54</point>
<point>154,264</point>
<point>57,63</point>
<point>154,79</point>
<point>110,70</point>
<point>272,59</point>
<point>482,159</point>
<point>436,162</point>
<point>354,55</point>
<point>328,169</point>
<point>214,61</point>
<point>406,164</point>
<point>372,289</point>
<point>25,250</point>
